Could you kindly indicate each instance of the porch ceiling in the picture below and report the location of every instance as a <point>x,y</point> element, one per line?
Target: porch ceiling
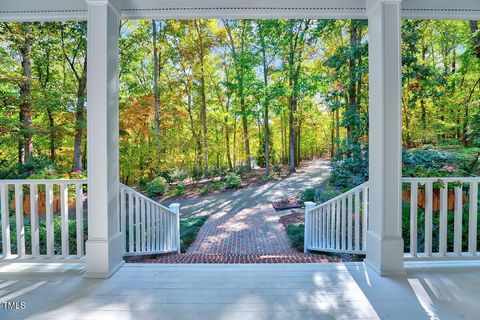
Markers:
<point>52,10</point>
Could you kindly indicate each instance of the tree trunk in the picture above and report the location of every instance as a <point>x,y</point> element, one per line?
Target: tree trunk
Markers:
<point>25,115</point>
<point>80,119</point>
<point>240,90</point>
<point>292,136</point>
<point>476,39</point>
<point>332,135</point>
<point>51,126</point>
<point>337,130</point>
<point>201,53</point>
<point>227,135</point>
<point>352,92</point>
<point>156,90</point>
<point>265,100</point>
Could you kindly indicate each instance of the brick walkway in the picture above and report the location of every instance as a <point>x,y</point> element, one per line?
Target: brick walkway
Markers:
<point>245,232</point>
<point>239,258</point>
<point>245,236</point>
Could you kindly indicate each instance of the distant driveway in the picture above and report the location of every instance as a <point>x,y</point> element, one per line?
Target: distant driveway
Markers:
<point>313,173</point>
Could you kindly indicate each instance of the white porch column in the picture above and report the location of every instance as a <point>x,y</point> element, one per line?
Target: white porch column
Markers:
<point>104,250</point>
<point>384,238</point>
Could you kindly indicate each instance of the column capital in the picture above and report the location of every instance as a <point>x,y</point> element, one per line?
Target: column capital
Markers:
<point>372,4</point>
<point>112,4</point>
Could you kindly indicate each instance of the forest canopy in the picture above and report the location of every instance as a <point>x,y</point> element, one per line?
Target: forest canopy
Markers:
<point>204,96</point>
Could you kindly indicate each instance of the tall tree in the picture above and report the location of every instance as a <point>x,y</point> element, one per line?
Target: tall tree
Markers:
<point>25,115</point>
<point>74,48</point>
<point>240,55</point>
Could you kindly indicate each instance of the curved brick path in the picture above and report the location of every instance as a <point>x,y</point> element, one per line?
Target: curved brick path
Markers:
<point>244,228</point>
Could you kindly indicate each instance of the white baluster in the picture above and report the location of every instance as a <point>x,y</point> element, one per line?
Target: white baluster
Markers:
<point>350,222</point>
<point>131,214</point>
<point>138,208</point>
<point>457,241</point>
<point>357,220</point>
<point>442,245</point>
<point>337,226</point>
<point>428,217</point>
<point>64,218</point>
<point>364,217</point>
<point>19,219</point>
<point>6,244</point>
<point>472,218</point>
<point>123,216</point>
<point>413,218</point>
<point>35,231</point>
<point>79,218</point>
<point>49,219</point>
<point>344,223</point>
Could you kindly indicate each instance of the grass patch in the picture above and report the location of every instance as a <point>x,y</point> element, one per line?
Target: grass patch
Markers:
<point>295,233</point>
<point>189,228</point>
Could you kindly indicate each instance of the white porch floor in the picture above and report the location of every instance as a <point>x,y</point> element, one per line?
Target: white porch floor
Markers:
<point>262,291</point>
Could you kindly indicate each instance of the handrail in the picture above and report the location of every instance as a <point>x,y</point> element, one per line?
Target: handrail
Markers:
<point>147,226</point>
<point>440,179</point>
<point>44,181</point>
<point>339,224</point>
<point>144,197</point>
<point>343,195</point>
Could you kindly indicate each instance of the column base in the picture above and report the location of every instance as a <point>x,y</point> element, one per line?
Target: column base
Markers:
<point>103,257</point>
<point>385,255</point>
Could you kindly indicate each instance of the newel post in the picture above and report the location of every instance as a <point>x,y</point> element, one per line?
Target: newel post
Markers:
<point>384,237</point>
<point>307,234</point>
<point>104,247</point>
<point>175,207</point>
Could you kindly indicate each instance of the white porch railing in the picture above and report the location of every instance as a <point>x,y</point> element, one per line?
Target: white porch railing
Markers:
<point>30,226</point>
<point>441,222</point>
<point>46,220</point>
<point>148,226</point>
<point>339,224</point>
<point>442,219</point>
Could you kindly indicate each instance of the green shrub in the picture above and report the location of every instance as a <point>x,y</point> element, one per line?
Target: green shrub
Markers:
<point>189,228</point>
<point>167,175</point>
<point>40,167</point>
<point>179,175</point>
<point>277,169</point>
<point>197,174</point>
<point>212,186</point>
<point>295,232</point>
<point>241,170</point>
<point>307,195</point>
<point>233,180</point>
<point>180,189</point>
<point>156,187</point>
<point>265,177</point>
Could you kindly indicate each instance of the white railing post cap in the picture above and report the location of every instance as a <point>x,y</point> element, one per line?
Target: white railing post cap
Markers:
<point>175,207</point>
<point>309,205</point>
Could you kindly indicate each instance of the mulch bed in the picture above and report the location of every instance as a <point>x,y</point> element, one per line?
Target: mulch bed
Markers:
<point>286,204</point>
<point>294,217</point>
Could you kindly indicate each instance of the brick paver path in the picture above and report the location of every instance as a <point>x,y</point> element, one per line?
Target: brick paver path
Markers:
<point>244,228</point>
<point>232,258</point>
<point>243,232</point>
<point>244,236</point>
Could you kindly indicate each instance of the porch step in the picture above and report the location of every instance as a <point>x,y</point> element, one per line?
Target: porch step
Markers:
<point>237,258</point>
